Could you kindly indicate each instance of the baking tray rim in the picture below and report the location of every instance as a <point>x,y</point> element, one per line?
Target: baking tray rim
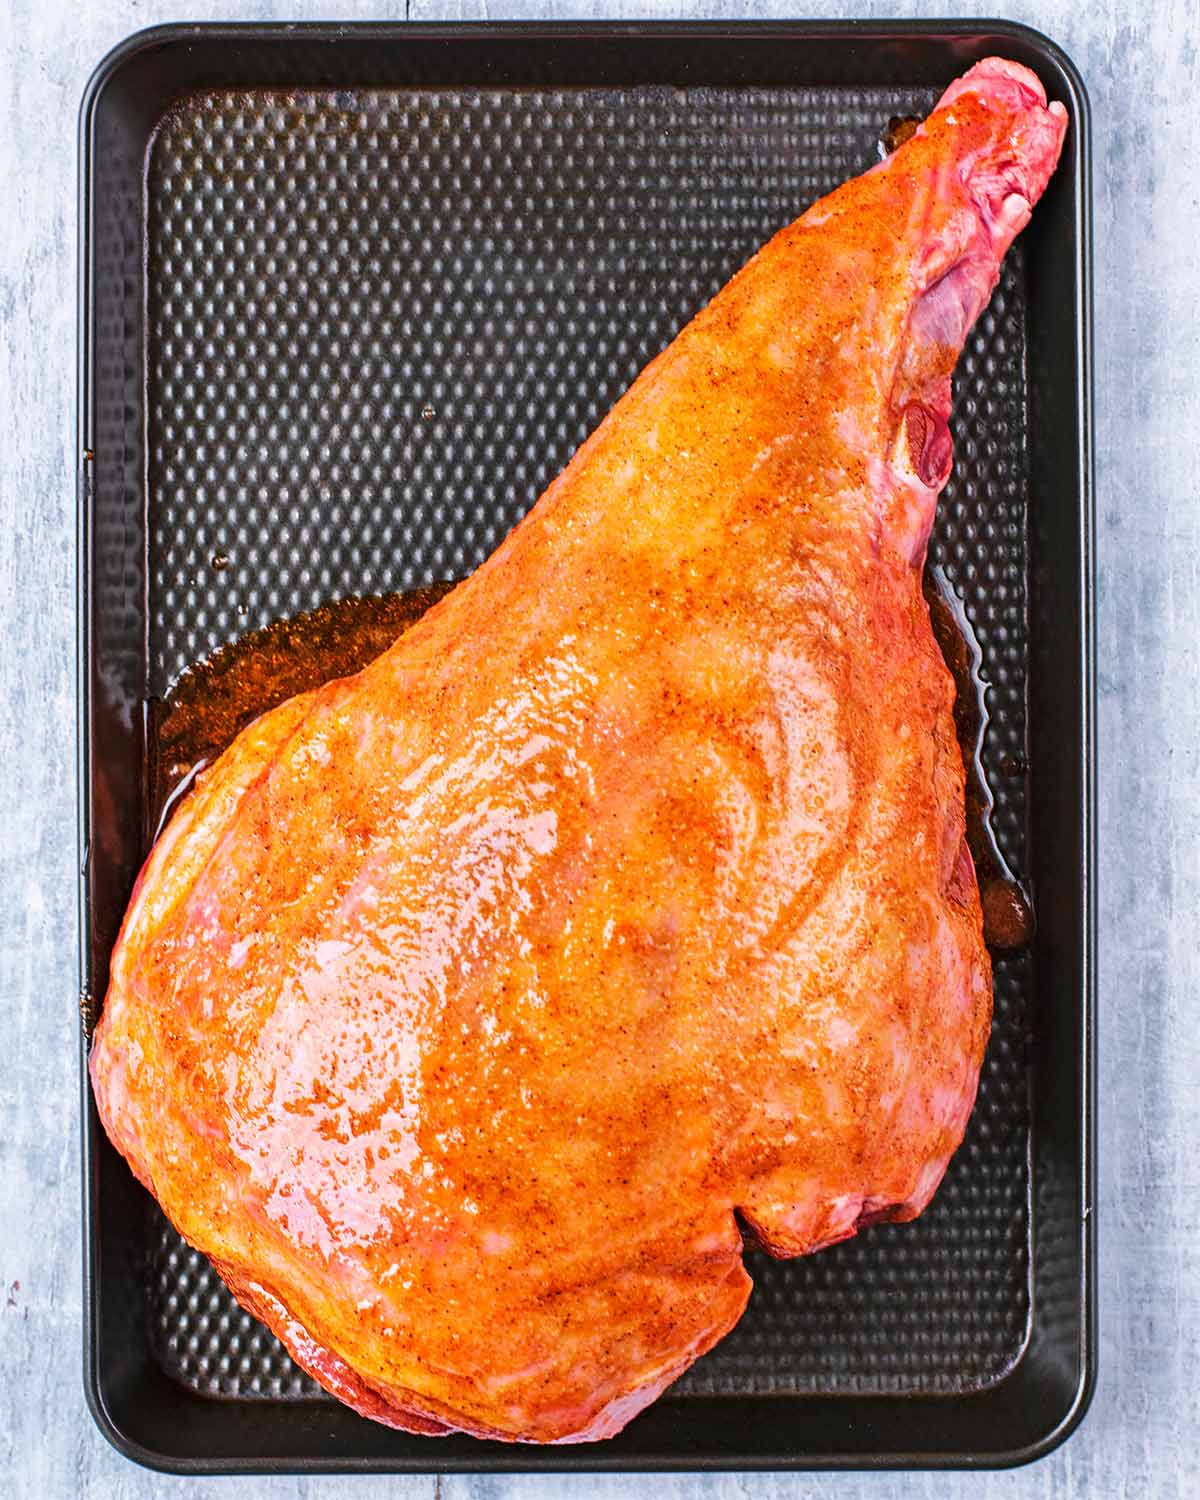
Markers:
<point>597,1458</point>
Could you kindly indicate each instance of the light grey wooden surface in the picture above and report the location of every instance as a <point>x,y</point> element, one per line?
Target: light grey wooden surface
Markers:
<point>1140,65</point>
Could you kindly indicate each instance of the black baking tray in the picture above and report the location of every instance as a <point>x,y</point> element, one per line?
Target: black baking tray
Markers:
<point>350,296</point>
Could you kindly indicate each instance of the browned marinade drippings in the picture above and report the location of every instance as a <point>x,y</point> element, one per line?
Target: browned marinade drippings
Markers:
<point>898,129</point>
<point>213,701</point>
<point>1008,920</point>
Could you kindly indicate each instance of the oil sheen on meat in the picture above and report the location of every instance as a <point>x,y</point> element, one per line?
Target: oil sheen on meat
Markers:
<point>468,1003</point>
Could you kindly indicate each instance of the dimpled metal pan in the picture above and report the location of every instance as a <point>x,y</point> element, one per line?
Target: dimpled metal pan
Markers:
<point>350,297</point>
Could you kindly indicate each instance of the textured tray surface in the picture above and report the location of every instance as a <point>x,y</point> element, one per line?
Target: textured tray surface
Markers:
<point>378,324</point>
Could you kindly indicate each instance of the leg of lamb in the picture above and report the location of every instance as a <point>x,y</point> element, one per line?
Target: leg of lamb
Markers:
<point>471,1008</point>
